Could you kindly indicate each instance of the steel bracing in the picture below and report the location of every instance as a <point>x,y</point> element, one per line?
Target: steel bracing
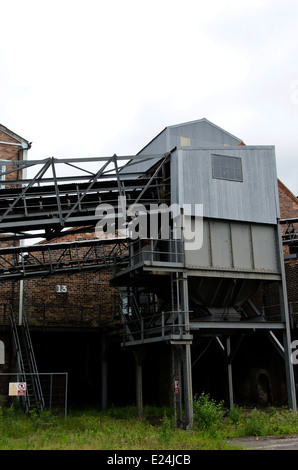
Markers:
<point>289,232</point>
<point>62,258</point>
<point>66,192</point>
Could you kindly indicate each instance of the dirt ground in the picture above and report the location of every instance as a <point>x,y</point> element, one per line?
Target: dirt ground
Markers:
<point>267,443</point>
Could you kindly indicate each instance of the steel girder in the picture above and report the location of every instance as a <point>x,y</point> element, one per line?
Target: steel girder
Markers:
<point>53,198</point>
<point>62,258</point>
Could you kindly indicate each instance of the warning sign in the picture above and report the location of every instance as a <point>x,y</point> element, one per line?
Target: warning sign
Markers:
<point>17,389</point>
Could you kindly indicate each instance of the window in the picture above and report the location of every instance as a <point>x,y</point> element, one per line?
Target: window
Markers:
<point>227,168</point>
<point>2,176</point>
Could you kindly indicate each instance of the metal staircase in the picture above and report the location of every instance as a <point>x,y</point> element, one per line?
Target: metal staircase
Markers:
<point>26,366</point>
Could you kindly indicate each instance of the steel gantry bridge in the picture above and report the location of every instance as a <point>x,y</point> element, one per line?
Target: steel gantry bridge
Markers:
<point>65,193</point>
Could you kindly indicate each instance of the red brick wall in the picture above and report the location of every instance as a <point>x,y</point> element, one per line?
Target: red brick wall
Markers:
<point>9,291</point>
<point>269,295</point>
<point>291,267</point>
<point>288,203</point>
<point>10,152</point>
<point>87,302</point>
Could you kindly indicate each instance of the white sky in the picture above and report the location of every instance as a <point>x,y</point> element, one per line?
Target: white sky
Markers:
<point>94,78</point>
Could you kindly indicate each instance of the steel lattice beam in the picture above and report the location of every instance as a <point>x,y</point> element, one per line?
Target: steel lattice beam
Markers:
<point>53,198</point>
<point>62,258</point>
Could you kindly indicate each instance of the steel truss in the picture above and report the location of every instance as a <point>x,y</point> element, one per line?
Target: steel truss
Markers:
<point>52,199</point>
<point>62,258</point>
<point>290,232</point>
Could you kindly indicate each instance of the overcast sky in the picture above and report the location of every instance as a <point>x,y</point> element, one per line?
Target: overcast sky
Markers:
<point>93,78</point>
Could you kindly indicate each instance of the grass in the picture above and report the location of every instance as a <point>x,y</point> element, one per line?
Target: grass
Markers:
<point>120,429</point>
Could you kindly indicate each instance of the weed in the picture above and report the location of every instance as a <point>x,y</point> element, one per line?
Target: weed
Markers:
<point>166,430</point>
<point>256,423</point>
<point>208,413</point>
<point>234,414</point>
<point>94,430</point>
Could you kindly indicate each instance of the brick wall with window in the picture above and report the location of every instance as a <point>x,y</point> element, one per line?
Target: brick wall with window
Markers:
<point>12,147</point>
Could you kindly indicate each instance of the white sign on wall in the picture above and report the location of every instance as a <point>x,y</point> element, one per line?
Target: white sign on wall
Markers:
<point>17,389</point>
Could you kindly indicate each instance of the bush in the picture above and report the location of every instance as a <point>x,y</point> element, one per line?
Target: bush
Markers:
<point>208,413</point>
<point>256,423</point>
<point>234,414</point>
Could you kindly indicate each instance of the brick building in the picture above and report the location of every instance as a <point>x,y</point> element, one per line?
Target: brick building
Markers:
<point>289,210</point>
<point>12,148</point>
<point>288,203</point>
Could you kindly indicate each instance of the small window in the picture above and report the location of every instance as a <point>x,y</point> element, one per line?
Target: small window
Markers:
<point>227,168</point>
<point>2,176</point>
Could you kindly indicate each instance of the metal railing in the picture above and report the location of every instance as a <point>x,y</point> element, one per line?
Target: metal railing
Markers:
<point>19,360</point>
<point>26,364</point>
<point>53,314</point>
<point>157,251</point>
<point>38,392</point>
<point>273,312</point>
<point>60,315</point>
<point>152,327</point>
<point>293,307</point>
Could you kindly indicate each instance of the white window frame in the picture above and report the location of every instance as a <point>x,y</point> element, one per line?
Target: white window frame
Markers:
<point>2,170</point>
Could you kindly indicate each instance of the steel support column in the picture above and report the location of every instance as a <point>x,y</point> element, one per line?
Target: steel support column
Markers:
<point>229,373</point>
<point>188,398</point>
<point>139,382</point>
<point>104,374</point>
<point>187,369</point>
<point>291,388</point>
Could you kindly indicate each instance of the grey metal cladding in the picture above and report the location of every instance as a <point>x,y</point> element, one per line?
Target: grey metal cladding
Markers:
<point>242,249</point>
<point>159,145</point>
<point>255,199</point>
<point>199,133</point>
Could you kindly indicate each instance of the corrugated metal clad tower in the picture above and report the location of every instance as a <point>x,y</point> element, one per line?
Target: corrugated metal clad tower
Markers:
<point>228,197</point>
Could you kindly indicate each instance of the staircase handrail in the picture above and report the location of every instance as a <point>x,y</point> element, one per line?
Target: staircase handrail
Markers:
<point>32,363</point>
<point>19,358</point>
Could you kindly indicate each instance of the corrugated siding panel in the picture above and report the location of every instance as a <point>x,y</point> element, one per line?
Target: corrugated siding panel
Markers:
<point>253,200</point>
<point>235,246</point>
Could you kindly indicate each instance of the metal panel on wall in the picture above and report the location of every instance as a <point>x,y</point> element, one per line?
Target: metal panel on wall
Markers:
<point>264,246</point>
<point>238,248</point>
<point>253,199</point>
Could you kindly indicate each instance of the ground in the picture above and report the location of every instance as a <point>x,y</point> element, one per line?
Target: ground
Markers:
<point>267,443</point>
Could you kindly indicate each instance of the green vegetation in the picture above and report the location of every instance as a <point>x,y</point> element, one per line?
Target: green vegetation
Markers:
<point>119,428</point>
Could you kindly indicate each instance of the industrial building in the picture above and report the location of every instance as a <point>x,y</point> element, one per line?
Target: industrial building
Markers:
<point>188,293</point>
